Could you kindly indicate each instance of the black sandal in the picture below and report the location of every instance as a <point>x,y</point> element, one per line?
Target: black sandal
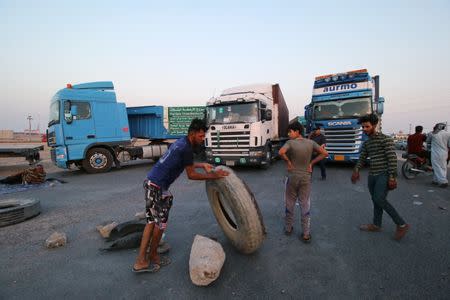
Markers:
<point>152,268</point>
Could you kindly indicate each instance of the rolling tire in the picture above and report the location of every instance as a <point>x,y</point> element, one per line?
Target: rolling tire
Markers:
<point>98,160</point>
<point>236,211</point>
<point>406,169</point>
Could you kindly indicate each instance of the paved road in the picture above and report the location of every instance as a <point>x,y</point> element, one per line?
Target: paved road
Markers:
<point>340,263</point>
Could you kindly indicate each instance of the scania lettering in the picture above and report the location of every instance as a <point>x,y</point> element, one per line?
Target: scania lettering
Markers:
<point>247,125</point>
<point>338,100</point>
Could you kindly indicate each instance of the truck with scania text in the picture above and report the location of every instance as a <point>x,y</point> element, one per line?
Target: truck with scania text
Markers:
<point>247,125</point>
<point>90,129</point>
<point>338,100</point>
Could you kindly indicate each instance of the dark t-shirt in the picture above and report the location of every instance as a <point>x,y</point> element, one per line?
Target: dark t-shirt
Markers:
<point>172,163</point>
<point>319,139</point>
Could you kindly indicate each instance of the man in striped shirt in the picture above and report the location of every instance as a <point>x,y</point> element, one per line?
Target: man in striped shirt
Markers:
<point>382,175</point>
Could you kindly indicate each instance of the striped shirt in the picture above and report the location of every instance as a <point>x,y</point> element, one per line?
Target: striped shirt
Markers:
<point>380,149</point>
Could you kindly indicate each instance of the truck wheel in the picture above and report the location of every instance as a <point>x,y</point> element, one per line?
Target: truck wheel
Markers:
<point>267,157</point>
<point>98,160</point>
<point>236,211</point>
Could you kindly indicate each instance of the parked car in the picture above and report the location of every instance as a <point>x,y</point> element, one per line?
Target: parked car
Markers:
<point>400,145</point>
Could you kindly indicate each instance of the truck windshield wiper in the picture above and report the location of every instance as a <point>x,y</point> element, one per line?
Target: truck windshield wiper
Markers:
<point>52,122</point>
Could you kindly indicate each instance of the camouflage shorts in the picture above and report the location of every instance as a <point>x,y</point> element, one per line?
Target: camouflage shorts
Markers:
<point>157,204</point>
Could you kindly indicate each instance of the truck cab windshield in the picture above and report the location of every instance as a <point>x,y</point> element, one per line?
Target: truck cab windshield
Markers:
<point>54,113</point>
<point>341,109</point>
<point>233,113</point>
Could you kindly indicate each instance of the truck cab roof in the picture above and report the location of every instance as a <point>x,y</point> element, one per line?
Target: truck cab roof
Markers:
<point>102,91</point>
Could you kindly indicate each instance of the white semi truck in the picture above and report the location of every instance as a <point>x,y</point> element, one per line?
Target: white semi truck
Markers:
<point>247,125</point>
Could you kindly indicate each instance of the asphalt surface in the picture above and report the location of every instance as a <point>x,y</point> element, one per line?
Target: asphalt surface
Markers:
<point>340,263</point>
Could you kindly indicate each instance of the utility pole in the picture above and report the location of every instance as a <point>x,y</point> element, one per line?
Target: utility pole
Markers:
<point>409,128</point>
<point>29,118</point>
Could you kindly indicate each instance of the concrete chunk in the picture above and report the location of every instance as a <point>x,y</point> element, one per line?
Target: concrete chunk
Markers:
<point>57,239</point>
<point>105,230</point>
<point>206,260</point>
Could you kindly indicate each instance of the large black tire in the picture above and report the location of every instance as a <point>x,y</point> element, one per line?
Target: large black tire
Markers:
<point>18,210</point>
<point>407,167</point>
<point>98,160</point>
<point>236,211</point>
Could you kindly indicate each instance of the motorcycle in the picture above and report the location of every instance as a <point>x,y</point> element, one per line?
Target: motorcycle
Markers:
<point>415,165</point>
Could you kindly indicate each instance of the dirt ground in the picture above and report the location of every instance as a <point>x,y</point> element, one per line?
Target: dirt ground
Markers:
<point>12,165</point>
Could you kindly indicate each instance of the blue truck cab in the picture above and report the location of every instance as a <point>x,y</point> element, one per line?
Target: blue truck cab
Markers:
<point>90,129</point>
<point>337,102</point>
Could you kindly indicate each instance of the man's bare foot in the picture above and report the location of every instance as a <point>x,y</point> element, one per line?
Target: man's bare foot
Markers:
<point>141,264</point>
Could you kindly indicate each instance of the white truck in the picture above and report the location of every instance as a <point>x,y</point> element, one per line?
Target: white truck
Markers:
<point>247,125</point>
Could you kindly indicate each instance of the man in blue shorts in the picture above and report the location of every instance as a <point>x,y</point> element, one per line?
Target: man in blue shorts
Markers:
<point>158,199</point>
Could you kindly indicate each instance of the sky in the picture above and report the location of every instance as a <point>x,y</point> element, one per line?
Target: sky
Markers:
<point>184,52</point>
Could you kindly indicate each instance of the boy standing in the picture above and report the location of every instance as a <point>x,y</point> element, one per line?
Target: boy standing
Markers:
<point>297,153</point>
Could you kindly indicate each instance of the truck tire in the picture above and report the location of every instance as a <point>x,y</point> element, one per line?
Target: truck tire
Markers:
<point>98,160</point>
<point>236,211</point>
<point>267,157</point>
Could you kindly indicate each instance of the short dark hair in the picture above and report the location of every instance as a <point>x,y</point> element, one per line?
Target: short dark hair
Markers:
<point>419,129</point>
<point>372,118</point>
<point>197,125</point>
<point>296,126</point>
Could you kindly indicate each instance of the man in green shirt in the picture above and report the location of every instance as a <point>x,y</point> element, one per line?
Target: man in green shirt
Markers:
<point>382,175</point>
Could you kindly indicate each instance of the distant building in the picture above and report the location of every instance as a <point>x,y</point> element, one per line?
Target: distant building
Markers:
<point>6,134</point>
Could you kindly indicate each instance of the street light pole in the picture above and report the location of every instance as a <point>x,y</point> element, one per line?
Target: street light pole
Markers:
<point>29,118</point>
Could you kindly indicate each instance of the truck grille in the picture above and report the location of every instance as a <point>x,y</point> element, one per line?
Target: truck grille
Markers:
<point>343,140</point>
<point>232,143</point>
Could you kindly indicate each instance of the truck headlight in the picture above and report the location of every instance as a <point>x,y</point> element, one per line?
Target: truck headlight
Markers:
<point>256,153</point>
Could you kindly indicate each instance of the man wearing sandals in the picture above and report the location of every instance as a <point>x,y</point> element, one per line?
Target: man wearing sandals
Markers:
<point>158,199</point>
<point>382,175</point>
<point>297,153</point>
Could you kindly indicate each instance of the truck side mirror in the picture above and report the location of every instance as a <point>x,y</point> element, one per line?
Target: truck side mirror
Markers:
<point>68,117</point>
<point>268,114</point>
<point>380,106</point>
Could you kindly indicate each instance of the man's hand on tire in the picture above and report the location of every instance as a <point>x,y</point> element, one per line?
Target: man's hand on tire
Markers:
<point>219,173</point>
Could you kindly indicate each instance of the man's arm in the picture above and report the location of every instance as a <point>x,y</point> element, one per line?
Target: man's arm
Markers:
<point>205,166</point>
<point>391,157</point>
<point>361,160</point>
<point>284,157</point>
<point>322,154</point>
<point>194,175</point>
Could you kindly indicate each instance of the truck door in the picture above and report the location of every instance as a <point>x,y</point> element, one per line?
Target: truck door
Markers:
<point>78,124</point>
